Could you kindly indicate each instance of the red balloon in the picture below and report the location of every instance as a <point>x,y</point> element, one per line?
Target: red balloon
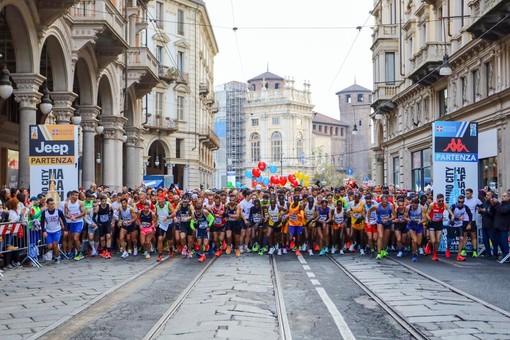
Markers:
<point>256,173</point>
<point>283,180</point>
<point>262,166</point>
<point>253,183</point>
<point>292,177</point>
<point>274,179</point>
<point>294,184</point>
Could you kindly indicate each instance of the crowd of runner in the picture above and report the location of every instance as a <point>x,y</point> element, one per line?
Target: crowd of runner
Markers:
<point>314,221</point>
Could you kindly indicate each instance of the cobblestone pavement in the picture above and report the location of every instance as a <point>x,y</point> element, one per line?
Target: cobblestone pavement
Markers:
<point>233,300</point>
<point>434,309</point>
<point>32,299</point>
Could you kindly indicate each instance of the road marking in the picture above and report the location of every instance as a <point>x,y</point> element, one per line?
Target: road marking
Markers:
<point>310,274</point>
<point>301,259</point>
<point>315,282</point>
<point>337,317</point>
<point>306,267</point>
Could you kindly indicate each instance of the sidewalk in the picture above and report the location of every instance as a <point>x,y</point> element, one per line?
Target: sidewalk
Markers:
<point>31,299</point>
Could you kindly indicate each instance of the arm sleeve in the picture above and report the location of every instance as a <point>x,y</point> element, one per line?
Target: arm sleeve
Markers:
<point>470,215</point>
<point>210,218</point>
<point>43,223</point>
<point>61,214</point>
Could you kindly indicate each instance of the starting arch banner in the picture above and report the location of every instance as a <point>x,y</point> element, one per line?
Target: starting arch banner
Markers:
<point>53,159</point>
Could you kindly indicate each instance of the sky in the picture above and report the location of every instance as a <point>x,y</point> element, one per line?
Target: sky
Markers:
<point>304,39</point>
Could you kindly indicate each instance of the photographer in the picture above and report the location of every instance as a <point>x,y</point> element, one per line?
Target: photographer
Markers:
<point>502,221</point>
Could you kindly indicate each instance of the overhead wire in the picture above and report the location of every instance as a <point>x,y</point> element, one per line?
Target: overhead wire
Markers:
<point>236,39</point>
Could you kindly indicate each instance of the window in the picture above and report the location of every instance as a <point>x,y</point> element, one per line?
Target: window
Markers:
<point>347,98</point>
<point>389,68</point>
<point>341,132</point>
<point>299,147</point>
<point>463,87</point>
<point>393,13</point>
<point>180,22</point>
<point>276,146</point>
<point>320,128</point>
<point>336,131</point>
<point>180,108</point>
<point>361,98</point>
<point>443,102</point>
<point>180,62</point>
<point>326,130</point>
<point>314,127</point>
<point>276,86</point>
<point>420,163</point>
<point>253,87</point>
<point>475,84</point>
<point>275,120</point>
<point>255,147</point>
<point>159,104</point>
<point>159,15</point>
<point>488,78</point>
<point>396,170</point>
<point>178,147</point>
<point>255,122</point>
<point>159,54</point>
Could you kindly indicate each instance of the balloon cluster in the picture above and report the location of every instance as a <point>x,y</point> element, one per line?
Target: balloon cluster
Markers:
<point>256,176</point>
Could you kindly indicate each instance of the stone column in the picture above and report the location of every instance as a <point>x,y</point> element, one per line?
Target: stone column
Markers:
<point>28,96</point>
<point>62,106</point>
<point>379,168</point>
<point>185,181</point>
<point>88,123</point>
<point>112,145</point>
<point>132,166</point>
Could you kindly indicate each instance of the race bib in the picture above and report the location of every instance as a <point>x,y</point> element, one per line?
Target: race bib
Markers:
<point>103,218</point>
<point>339,219</point>
<point>293,217</point>
<point>437,217</point>
<point>146,224</point>
<point>322,218</point>
<point>217,220</point>
<point>203,225</point>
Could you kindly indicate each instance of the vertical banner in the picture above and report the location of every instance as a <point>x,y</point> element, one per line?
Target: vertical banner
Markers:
<point>455,162</point>
<point>53,159</point>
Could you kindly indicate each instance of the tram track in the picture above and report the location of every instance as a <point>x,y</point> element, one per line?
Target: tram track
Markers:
<point>283,321</point>
<point>395,315</point>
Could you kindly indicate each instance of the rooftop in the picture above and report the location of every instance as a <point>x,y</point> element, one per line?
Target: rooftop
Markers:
<point>354,88</point>
<point>320,118</point>
<point>267,76</point>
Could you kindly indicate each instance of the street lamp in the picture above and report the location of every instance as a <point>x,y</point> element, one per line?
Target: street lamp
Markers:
<point>124,138</point>
<point>99,129</point>
<point>46,105</point>
<point>355,130</point>
<point>98,158</point>
<point>5,82</point>
<point>76,118</point>
<point>445,69</point>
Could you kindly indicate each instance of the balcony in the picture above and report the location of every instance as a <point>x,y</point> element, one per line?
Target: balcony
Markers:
<point>209,137</point>
<point>385,32</point>
<point>182,78</point>
<point>203,89</point>
<point>143,70</point>
<point>50,10</point>
<point>101,22</point>
<point>425,64</point>
<point>168,74</point>
<point>383,93</point>
<point>492,20</point>
<point>158,123</point>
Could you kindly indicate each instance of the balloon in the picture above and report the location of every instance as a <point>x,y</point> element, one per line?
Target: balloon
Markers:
<point>291,177</point>
<point>273,169</point>
<point>299,175</point>
<point>283,180</point>
<point>260,179</point>
<point>262,166</point>
<point>306,177</point>
<point>306,183</point>
<point>256,173</point>
<point>294,184</point>
<point>274,179</point>
<point>238,184</point>
<point>248,174</point>
<point>266,181</point>
<point>229,185</point>
<point>254,183</point>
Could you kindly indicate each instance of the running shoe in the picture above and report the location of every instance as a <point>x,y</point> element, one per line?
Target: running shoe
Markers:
<point>124,254</point>
<point>272,250</point>
<point>415,258</point>
<point>135,251</point>
<point>298,252</point>
<point>103,253</point>
<point>130,251</point>
<point>420,251</point>
<point>261,252</point>
<point>238,252</point>
<point>461,258</point>
<point>197,248</point>
<point>207,247</point>
<point>475,253</point>
<point>284,250</point>
<point>434,257</point>
<point>108,255</point>
<point>218,252</point>
<point>171,252</point>
<point>447,253</point>
<point>70,255</point>
<point>190,255</point>
<point>463,252</point>
<point>279,252</point>
<point>79,257</point>
<point>351,248</point>
<point>428,249</point>
<point>384,252</point>
<point>362,252</point>
<point>223,245</point>
<point>293,243</point>
<point>379,256</point>
<point>56,261</point>
<point>183,253</point>
<point>341,252</point>
<point>229,250</point>
<point>202,258</point>
<point>160,258</point>
<point>322,252</point>
<point>94,253</point>
<point>179,248</point>
<point>304,247</point>
<point>310,252</point>
<point>255,247</point>
<point>333,250</point>
<point>400,254</point>
<point>316,247</point>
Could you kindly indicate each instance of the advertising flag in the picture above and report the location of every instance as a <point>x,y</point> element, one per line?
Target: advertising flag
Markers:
<point>53,159</point>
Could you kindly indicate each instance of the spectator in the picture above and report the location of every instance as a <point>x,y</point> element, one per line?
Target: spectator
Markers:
<point>502,221</point>
<point>488,231</point>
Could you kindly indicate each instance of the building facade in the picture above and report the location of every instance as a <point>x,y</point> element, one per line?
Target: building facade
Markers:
<point>412,45</point>
<point>330,137</point>
<point>354,105</point>
<point>278,121</point>
<point>179,137</point>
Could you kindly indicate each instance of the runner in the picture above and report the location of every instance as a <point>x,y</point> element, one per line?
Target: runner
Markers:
<point>147,230</point>
<point>53,222</point>
<point>296,217</point>
<point>415,215</point>
<point>218,228</point>
<point>256,219</point>
<point>273,221</point>
<point>165,216</point>
<point>201,223</point>
<point>322,222</point>
<point>310,229</point>
<point>385,216</point>
<point>474,205</point>
<point>371,230</point>
<point>74,210</point>
<point>462,217</point>
<point>103,217</point>
<point>233,225</point>
<point>400,226</point>
<point>435,214</point>
<point>338,217</point>
<point>184,213</point>
<point>127,228</point>
<point>357,213</point>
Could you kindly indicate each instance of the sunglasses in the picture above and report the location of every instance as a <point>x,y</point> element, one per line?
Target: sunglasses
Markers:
<point>440,201</point>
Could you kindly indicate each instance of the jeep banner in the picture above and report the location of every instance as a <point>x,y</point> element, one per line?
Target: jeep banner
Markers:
<point>53,159</point>
<point>455,162</point>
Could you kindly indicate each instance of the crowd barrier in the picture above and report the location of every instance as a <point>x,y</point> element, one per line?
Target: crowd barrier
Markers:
<point>19,242</point>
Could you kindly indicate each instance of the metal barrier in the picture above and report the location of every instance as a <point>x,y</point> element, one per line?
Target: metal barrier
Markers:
<point>17,240</point>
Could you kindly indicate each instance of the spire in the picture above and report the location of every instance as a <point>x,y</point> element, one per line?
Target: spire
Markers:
<point>268,66</point>
<point>354,79</point>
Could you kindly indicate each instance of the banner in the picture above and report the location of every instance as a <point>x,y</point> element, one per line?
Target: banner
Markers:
<point>53,159</point>
<point>455,161</point>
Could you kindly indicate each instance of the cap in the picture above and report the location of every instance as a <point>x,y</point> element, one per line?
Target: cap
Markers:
<point>194,197</point>
<point>33,198</point>
<point>258,187</point>
<point>114,195</point>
